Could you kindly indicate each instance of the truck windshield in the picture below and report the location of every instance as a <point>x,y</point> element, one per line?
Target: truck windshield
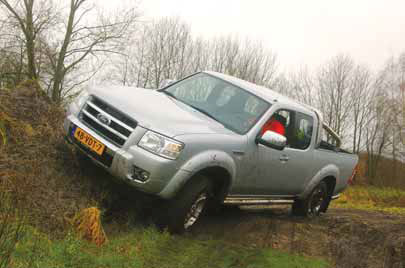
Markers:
<point>233,107</point>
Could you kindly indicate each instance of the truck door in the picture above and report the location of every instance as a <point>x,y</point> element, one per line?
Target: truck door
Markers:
<point>286,172</point>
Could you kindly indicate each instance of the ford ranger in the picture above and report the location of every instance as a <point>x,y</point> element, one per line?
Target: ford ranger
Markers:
<point>199,141</point>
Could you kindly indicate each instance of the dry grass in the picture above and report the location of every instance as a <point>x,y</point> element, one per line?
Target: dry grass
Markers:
<point>372,198</point>
<point>88,224</point>
<point>39,170</point>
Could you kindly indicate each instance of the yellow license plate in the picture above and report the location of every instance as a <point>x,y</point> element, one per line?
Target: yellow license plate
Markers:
<point>89,141</point>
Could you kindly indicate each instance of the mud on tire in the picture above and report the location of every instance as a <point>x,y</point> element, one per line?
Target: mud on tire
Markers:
<point>314,204</point>
<point>189,204</point>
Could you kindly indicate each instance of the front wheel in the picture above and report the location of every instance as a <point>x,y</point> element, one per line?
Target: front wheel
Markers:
<point>186,209</point>
<point>314,204</point>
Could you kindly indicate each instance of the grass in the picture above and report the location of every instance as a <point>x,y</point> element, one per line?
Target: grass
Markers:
<point>372,198</point>
<point>147,247</point>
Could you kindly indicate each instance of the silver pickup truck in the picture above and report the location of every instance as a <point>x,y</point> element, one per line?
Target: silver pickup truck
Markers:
<point>200,141</point>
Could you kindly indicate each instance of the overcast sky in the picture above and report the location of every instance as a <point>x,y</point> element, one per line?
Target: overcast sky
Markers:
<point>301,32</point>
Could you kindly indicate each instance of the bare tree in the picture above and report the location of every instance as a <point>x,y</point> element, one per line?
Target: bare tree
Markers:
<point>247,60</point>
<point>160,50</point>
<point>362,95</point>
<point>283,85</point>
<point>303,87</point>
<point>392,83</point>
<point>32,18</point>
<point>334,86</point>
<point>377,134</point>
<point>199,55</point>
<point>166,49</point>
<point>66,45</point>
<point>83,39</point>
<point>256,64</point>
<point>399,89</point>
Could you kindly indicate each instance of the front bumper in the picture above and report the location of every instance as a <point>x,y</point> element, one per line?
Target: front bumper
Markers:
<point>121,162</point>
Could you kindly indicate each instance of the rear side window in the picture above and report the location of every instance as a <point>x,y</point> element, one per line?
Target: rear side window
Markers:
<point>303,129</point>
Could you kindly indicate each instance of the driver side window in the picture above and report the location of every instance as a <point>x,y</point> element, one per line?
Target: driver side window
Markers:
<point>279,122</point>
<point>295,126</point>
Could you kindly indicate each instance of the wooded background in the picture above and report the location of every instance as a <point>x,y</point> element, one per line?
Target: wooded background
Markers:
<point>64,45</point>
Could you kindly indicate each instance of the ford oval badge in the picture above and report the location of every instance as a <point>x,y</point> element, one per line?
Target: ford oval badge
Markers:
<point>103,119</point>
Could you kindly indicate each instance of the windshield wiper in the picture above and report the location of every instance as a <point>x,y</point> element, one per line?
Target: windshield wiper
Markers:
<point>194,107</point>
<point>169,94</point>
<point>203,112</point>
<point>207,114</point>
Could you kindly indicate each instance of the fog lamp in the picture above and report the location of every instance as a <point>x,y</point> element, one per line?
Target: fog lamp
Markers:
<point>139,174</point>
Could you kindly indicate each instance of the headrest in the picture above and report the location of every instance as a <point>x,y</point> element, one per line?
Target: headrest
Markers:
<point>280,118</point>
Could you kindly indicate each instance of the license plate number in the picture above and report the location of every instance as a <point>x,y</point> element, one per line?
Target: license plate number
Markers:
<point>89,141</point>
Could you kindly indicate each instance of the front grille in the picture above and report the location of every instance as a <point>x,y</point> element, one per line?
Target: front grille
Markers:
<point>118,127</point>
<point>114,112</point>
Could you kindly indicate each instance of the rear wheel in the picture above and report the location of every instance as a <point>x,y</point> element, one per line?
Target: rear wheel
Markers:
<point>314,204</point>
<point>187,208</point>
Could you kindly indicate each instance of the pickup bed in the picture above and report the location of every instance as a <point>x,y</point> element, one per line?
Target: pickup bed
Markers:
<point>201,141</point>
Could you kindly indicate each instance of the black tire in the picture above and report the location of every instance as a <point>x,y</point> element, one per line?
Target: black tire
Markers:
<point>314,204</point>
<point>192,199</point>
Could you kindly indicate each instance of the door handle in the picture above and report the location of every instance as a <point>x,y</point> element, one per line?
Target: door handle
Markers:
<point>284,158</point>
<point>237,152</point>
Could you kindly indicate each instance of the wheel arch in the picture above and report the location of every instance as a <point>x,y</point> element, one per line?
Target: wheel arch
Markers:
<point>217,166</point>
<point>329,174</point>
<point>220,178</point>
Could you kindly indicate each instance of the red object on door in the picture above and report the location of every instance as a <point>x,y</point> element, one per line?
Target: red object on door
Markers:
<point>273,125</point>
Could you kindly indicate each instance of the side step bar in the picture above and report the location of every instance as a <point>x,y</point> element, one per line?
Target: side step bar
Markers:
<point>251,201</point>
<point>335,196</point>
<point>258,201</point>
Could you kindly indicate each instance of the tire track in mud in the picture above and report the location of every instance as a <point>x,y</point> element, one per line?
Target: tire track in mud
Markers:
<point>345,237</point>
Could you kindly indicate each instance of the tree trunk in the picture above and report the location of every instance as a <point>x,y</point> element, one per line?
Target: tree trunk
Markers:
<point>59,71</point>
<point>30,36</point>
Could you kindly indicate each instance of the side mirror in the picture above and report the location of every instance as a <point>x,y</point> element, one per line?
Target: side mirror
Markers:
<point>166,82</point>
<point>273,140</point>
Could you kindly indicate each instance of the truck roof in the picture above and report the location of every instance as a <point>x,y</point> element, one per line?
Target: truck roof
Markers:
<point>263,92</point>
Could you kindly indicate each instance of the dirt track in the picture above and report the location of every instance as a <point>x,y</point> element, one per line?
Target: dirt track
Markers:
<point>348,238</point>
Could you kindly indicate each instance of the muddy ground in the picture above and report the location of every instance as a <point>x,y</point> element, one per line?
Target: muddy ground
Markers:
<point>345,237</point>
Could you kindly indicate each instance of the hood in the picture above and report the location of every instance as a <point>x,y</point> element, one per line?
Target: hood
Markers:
<point>158,112</point>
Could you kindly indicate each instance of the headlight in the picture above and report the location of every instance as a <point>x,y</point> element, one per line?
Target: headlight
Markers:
<point>160,145</point>
<point>82,98</point>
